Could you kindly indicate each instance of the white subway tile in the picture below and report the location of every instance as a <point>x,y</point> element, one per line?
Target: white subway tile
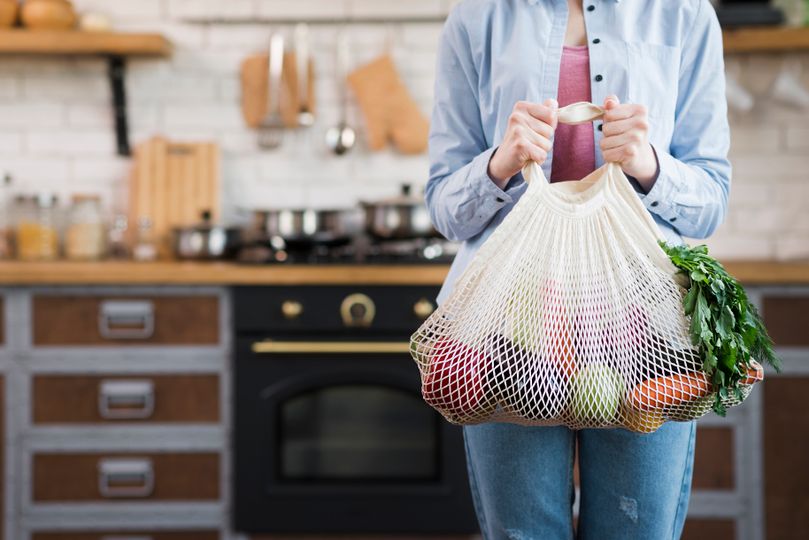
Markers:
<point>101,116</point>
<point>10,144</point>
<point>66,88</point>
<point>30,114</point>
<point>396,8</point>
<point>122,10</point>
<point>790,246</point>
<point>797,138</point>
<point>181,35</point>
<point>171,87</point>
<point>209,115</point>
<point>421,36</point>
<point>30,170</point>
<point>755,139</point>
<point>244,37</point>
<point>302,9</point>
<point>9,87</point>
<point>767,219</point>
<point>735,246</point>
<point>71,143</point>
<point>89,170</point>
<point>211,9</point>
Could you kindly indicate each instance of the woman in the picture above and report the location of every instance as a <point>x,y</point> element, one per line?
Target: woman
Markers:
<point>657,67</point>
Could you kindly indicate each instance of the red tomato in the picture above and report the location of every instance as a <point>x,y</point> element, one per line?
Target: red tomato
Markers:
<point>455,382</point>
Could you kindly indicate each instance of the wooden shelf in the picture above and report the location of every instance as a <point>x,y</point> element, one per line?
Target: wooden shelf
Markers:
<point>74,42</point>
<point>766,39</point>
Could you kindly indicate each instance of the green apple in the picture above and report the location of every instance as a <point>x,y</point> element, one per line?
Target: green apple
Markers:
<point>598,391</point>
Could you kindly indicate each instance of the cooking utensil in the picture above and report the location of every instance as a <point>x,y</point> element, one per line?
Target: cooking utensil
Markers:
<point>270,130</point>
<point>400,217</point>
<point>341,138</point>
<point>305,116</point>
<point>206,241</point>
<point>289,228</point>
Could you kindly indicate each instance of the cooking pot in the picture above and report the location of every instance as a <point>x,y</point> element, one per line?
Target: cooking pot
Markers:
<point>206,241</point>
<point>307,227</point>
<point>402,217</point>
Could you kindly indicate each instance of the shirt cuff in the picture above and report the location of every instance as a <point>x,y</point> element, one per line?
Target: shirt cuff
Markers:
<point>482,184</point>
<point>660,199</point>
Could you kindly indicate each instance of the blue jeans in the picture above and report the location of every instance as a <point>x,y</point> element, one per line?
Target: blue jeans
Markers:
<point>633,486</point>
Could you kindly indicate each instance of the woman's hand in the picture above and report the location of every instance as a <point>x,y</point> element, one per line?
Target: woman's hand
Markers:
<point>527,138</point>
<point>626,141</point>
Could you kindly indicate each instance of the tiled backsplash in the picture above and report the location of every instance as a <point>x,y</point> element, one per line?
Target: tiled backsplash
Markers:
<point>55,119</point>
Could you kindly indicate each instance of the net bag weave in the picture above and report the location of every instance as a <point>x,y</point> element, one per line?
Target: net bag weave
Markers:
<point>569,314</point>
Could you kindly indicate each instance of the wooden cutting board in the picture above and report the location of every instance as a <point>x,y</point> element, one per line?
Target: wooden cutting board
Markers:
<point>171,184</point>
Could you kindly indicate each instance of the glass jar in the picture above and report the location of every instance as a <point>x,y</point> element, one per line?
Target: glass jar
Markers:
<point>37,231</point>
<point>84,234</point>
<point>6,240</point>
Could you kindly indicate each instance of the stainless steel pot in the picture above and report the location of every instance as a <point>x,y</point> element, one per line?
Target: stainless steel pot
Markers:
<point>405,216</point>
<point>308,227</point>
<point>206,241</point>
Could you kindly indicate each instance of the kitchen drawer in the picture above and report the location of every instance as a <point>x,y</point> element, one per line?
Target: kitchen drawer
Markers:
<point>177,476</point>
<point>713,529</point>
<point>127,535</point>
<point>786,319</point>
<point>714,459</point>
<point>122,321</point>
<point>71,399</point>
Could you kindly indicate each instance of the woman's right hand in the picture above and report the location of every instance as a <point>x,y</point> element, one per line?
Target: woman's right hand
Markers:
<point>527,138</point>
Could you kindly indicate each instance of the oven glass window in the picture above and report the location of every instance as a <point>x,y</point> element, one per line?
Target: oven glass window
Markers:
<point>357,433</point>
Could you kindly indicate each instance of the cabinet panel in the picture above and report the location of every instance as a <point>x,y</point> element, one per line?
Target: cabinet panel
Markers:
<point>2,322</point>
<point>713,459</point>
<point>66,399</point>
<point>127,535</point>
<point>786,320</point>
<point>786,447</point>
<point>125,321</point>
<point>713,529</point>
<point>115,477</point>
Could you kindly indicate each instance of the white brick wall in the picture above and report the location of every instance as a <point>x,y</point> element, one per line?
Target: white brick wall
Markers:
<point>55,123</point>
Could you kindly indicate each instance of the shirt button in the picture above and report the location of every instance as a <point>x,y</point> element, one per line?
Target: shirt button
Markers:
<point>499,199</point>
<point>673,219</point>
<point>591,8</point>
<point>596,41</point>
<point>655,203</point>
<point>599,78</point>
<point>600,127</point>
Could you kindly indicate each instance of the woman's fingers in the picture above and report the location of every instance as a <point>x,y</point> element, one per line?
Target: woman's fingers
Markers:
<point>537,126</point>
<point>626,138</point>
<point>616,127</point>
<point>545,112</point>
<point>620,112</point>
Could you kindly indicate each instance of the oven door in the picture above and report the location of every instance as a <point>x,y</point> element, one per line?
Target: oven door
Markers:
<point>335,437</point>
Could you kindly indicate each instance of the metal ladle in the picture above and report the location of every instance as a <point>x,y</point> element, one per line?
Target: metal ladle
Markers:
<point>341,138</point>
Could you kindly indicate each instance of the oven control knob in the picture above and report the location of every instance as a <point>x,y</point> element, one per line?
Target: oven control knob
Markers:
<point>423,308</point>
<point>291,309</point>
<point>357,310</point>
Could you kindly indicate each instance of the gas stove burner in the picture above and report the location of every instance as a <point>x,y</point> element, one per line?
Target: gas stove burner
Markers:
<point>360,250</point>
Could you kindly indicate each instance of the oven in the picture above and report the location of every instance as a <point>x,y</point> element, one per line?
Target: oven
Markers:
<point>331,433</point>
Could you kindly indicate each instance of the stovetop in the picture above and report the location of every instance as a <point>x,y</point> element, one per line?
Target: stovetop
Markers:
<point>359,250</point>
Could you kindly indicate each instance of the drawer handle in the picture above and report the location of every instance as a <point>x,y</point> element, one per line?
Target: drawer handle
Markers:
<point>125,478</point>
<point>126,319</point>
<point>125,399</point>
<point>335,347</point>
<point>127,537</point>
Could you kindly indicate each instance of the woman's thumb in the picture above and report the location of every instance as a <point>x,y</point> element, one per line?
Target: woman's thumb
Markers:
<point>611,102</point>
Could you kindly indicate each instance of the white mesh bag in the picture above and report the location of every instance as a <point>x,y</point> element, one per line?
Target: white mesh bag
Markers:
<point>570,313</point>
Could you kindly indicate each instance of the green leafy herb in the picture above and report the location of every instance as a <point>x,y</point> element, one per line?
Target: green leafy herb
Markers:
<point>724,324</point>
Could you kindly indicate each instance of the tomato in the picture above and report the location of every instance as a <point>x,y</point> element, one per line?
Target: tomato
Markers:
<point>455,382</point>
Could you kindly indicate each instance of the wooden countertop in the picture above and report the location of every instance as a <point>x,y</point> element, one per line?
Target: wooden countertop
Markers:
<point>192,273</point>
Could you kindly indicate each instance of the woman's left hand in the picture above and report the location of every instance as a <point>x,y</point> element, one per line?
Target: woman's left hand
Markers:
<point>626,140</point>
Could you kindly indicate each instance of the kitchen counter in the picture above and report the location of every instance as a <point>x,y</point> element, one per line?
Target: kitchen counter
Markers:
<point>197,273</point>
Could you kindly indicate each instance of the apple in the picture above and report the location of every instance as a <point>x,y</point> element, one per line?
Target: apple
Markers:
<point>455,382</point>
<point>524,384</point>
<point>597,392</point>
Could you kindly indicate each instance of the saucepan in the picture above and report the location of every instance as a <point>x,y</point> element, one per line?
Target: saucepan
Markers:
<point>206,241</point>
<point>401,217</point>
<point>307,227</point>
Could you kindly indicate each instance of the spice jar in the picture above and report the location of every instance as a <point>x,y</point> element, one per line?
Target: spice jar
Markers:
<point>84,236</point>
<point>37,231</point>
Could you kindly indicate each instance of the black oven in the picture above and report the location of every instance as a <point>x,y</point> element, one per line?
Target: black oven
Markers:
<point>331,433</point>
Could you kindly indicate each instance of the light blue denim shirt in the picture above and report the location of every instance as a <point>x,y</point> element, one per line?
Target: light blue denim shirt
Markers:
<point>665,54</point>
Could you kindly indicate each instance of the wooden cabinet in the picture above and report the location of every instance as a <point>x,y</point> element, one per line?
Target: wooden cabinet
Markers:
<point>70,399</point>
<point>124,321</point>
<point>709,529</point>
<point>2,322</point>
<point>186,476</point>
<point>127,535</point>
<point>713,459</point>
<point>786,447</point>
<point>787,319</point>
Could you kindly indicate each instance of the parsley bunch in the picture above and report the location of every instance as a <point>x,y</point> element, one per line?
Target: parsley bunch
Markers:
<point>724,324</point>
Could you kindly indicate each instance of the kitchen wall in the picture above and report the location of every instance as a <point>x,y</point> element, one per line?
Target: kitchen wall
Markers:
<point>55,127</point>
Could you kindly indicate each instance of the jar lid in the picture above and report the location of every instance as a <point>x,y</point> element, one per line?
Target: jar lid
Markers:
<point>46,200</point>
<point>85,197</point>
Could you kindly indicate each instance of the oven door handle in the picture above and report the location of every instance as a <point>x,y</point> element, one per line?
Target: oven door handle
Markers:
<point>334,347</point>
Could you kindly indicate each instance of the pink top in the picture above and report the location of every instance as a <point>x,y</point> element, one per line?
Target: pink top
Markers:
<point>573,146</point>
